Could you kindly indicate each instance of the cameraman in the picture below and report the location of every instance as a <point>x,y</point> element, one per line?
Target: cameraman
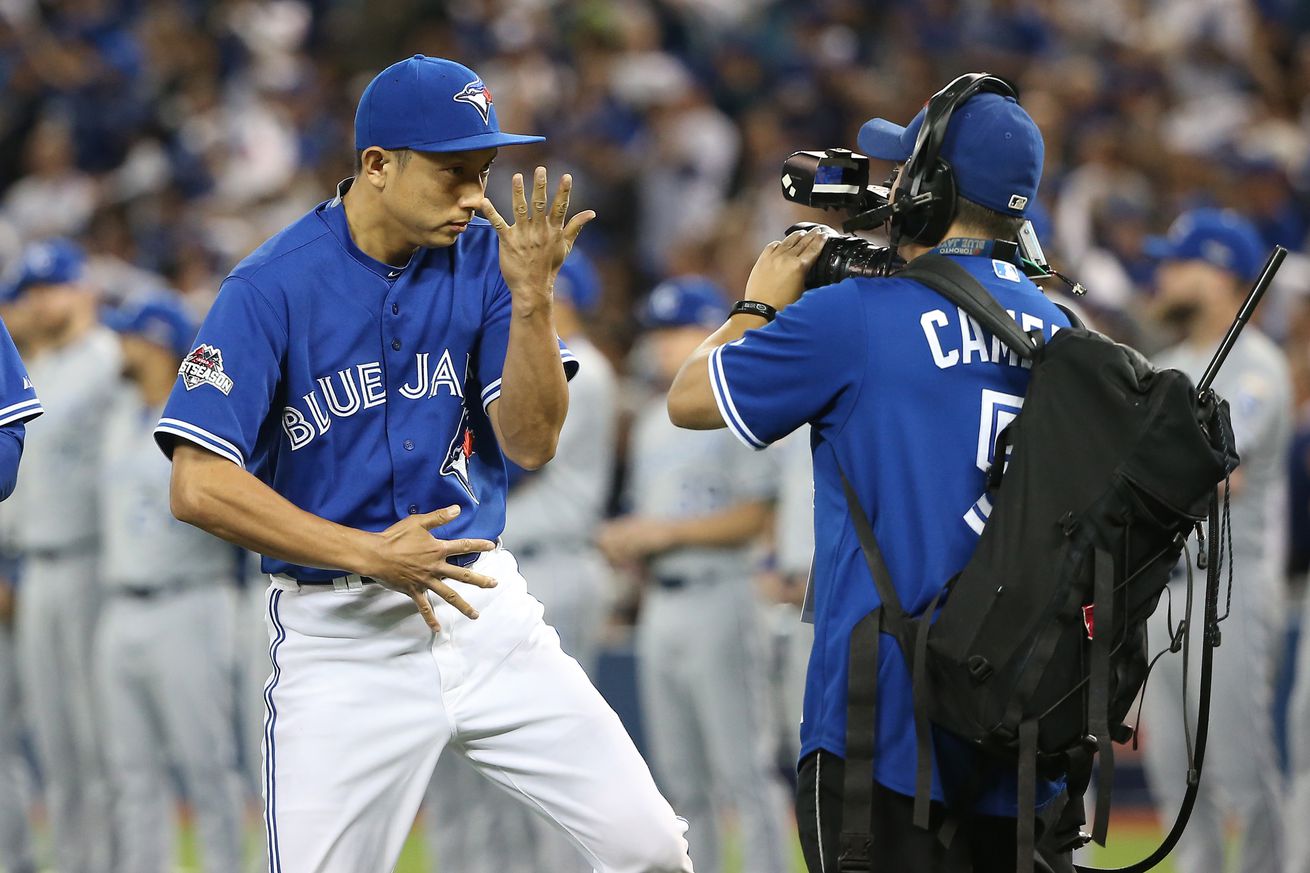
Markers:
<point>906,394</point>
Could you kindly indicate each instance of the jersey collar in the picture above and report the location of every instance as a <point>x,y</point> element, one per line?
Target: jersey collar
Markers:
<point>333,213</point>
<point>987,248</point>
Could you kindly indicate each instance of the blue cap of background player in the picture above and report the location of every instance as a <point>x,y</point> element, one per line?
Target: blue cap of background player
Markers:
<point>991,143</point>
<point>1217,236</point>
<point>578,282</point>
<point>683,302</point>
<point>49,262</point>
<point>160,318</point>
<point>430,105</point>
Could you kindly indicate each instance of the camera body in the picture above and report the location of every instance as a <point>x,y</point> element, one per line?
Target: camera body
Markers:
<point>839,179</point>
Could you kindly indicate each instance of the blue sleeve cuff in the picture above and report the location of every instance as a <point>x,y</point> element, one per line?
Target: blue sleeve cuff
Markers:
<point>177,428</point>
<point>727,408</point>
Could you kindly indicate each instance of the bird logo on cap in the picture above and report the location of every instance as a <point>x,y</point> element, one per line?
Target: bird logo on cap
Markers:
<point>476,95</point>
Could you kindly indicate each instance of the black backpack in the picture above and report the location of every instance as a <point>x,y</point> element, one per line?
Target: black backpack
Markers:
<point>1040,646</point>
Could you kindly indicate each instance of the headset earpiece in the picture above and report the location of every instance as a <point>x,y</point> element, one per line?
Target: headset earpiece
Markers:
<point>926,172</point>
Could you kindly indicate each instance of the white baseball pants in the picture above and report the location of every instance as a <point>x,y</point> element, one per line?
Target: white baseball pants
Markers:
<point>363,698</point>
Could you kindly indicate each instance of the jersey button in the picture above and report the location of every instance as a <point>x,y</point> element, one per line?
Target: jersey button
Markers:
<point>409,445</point>
<point>413,509</point>
<point>395,309</point>
<point>395,344</point>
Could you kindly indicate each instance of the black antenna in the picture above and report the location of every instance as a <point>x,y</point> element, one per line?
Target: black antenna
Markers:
<point>1243,316</point>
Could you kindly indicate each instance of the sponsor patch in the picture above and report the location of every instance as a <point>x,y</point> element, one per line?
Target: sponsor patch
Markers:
<point>476,95</point>
<point>204,366</point>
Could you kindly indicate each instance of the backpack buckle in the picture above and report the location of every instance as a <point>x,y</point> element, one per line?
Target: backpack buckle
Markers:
<point>980,669</point>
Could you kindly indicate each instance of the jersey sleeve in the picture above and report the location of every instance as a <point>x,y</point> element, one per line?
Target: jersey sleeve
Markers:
<point>18,400</point>
<point>494,343</point>
<point>225,386</point>
<point>789,372</point>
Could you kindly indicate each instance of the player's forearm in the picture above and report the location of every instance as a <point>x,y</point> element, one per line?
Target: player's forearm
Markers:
<point>691,397</point>
<point>735,526</point>
<point>222,499</point>
<point>534,394</point>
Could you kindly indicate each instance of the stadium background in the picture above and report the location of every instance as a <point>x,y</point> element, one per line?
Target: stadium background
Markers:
<point>170,138</point>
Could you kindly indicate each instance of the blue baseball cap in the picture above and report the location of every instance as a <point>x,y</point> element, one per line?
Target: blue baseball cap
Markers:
<point>991,143</point>
<point>430,105</point>
<point>160,318</point>
<point>1217,236</point>
<point>683,302</point>
<point>55,261</point>
<point>578,282</point>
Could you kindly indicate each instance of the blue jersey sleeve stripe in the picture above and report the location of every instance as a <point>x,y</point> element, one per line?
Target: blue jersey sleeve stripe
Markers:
<point>728,409</point>
<point>24,411</point>
<point>202,438</point>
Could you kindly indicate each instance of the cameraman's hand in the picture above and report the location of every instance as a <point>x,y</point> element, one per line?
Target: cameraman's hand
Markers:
<point>778,277</point>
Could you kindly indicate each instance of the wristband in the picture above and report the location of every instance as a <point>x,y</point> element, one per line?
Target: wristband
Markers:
<point>754,307</point>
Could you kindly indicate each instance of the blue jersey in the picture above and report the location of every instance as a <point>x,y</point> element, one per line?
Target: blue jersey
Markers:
<point>908,394</point>
<point>18,400</point>
<point>18,404</point>
<point>355,389</point>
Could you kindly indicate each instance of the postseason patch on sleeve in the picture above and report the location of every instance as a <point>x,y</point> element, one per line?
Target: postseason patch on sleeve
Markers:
<point>204,366</point>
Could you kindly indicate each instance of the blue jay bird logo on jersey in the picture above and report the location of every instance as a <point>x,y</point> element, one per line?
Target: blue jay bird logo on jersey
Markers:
<point>458,455</point>
<point>478,96</point>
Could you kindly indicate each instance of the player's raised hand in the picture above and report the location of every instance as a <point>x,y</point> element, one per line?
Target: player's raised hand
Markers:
<point>535,245</point>
<point>412,561</point>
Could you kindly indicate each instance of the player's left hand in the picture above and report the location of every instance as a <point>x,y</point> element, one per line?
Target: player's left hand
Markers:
<point>536,244</point>
<point>778,277</point>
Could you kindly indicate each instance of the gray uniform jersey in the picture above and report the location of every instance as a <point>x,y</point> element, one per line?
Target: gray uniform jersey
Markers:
<point>794,524</point>
<point>142,544</point>
<point>54,503</point>
<point>1255,382</point>
<point>682,474</point>
<point>561,505</point>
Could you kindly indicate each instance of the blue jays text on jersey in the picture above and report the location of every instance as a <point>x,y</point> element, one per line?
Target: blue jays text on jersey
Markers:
<point>908,393</point>
<point>344,383</point>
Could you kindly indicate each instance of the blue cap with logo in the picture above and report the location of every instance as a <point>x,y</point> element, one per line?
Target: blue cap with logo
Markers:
<point>161,318</point>
<point>55,261</point>
<point>992,144</point>
<point>430,105</point>
<point>578,282</point>
<point>1219,237</point>
<point>683,302</point>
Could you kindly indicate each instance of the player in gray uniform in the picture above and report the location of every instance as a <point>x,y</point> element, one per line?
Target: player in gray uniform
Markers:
<point>1209,256</point>
<point>697,501</point>
<point>165,649</point>
<point>552,516</point>
<point>18,405</point>
<point>76,364</point>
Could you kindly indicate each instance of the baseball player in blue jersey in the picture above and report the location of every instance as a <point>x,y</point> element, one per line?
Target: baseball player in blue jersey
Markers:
<point>165,646</point>
<point>551,517</point>
<point>18,404</point>
<point>905,393</point>
<point>359,382</point>
<point>76,362</point>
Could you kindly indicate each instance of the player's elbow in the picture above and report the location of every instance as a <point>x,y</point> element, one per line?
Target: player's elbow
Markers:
<point>534,457</point>
<point>689,409</point>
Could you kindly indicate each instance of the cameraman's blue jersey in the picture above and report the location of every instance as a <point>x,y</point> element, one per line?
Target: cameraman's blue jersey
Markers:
<point>355,389</point>
<point>908,394</point>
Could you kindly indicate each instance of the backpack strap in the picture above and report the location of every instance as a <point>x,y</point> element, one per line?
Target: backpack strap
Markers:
<point>855,848</point>
<point>953,282</point>
<point>1098,691</point>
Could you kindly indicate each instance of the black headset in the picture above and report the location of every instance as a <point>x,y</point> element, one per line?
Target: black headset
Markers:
<point>925,194</point>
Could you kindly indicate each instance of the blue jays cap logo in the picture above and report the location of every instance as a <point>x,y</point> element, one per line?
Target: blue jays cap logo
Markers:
<point>476,95</point>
